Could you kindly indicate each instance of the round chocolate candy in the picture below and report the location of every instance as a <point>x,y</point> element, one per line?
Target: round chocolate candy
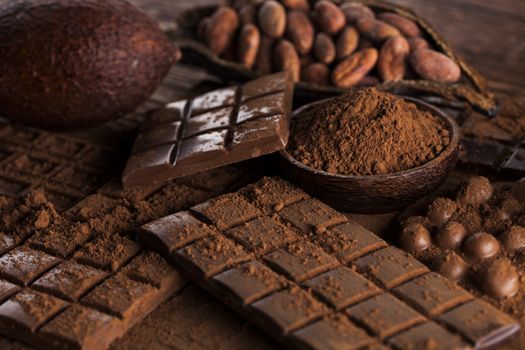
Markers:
<point>500,279</point>
<point>450,265</point>
<point>513,239</point>
<point>451,236</point>
<point>440,211</point>
<point>477,191</point>
<point>415,237</point>
<point>481,245</point>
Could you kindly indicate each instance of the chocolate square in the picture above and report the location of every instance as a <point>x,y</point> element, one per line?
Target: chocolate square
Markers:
<point>209,121</point>
<point>428,335</point>
<point>265,85</point>
<point>385,315</point>
<point>483,153</point>
<point>349,241</point>
<point>8,241</point>
<point>156,160</point>
<point>61,242</point>
<point>261,107</point>
<point>289,309</point>
<point>480,322</point>
<point>119,296</point>
<point>201,148</point>
<point>150,268</point>
<point>331,333</point>
<point>272,194</point>
<point>69,280</point>
<point>517,161</point>
<point>262,234</point>
<point>170,113</point>
<point>23,265</point>
<point>80,327</point>
<point>432,294</point>
<point>390,266</point>
<point>174,231</point>
<point>7,289</point>
<point>214,99</point>
<point>342,287</point>
<point>28,309</point>
<point>300,260</point>
<point>168,134</point>
<point>258,137</point>
<point>210,256</point>
<point>311,215</point>
<point>249,282</point>
<point>107,253</point>
<point>226,211</point>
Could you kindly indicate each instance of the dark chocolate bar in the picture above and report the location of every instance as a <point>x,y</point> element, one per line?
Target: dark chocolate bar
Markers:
<point>312,279</point>
<point>221,127</point>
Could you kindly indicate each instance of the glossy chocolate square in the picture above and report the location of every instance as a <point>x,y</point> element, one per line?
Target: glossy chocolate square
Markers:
<point>7,289</point>
<point>261,107</point>
<point>264,86</point>
<point>311,215</point>
<point>208,121</point>
<point>432,294</point>
<point>107,253</point>
<point>428,335</point>
<point>262,234</point>
<point>69,280</point>
<point>214,99</point>
<point>23,265</point>
<point>149,268</point>
<point>168,134</point>
<point>385,315</point>
<point>273,194</point>
<point>202,148</point>
<point>300,260</point>
<point>342,287</point>
<point>390,267</point>
<point>249,282</point>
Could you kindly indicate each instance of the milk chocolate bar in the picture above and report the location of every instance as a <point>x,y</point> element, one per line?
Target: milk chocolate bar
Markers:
<point>221,127</point>
<point>84,301</point>
<point>312,279</point>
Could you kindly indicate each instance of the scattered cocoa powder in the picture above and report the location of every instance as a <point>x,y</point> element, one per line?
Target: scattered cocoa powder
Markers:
<point>366,132</point>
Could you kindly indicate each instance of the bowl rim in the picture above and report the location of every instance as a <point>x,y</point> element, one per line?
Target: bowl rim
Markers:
<point>453,145</point>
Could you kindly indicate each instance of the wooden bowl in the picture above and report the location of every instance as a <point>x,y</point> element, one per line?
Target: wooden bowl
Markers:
<point>375,193</point>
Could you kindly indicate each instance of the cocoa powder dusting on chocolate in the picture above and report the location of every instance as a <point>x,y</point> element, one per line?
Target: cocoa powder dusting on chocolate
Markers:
<point>366,132</point>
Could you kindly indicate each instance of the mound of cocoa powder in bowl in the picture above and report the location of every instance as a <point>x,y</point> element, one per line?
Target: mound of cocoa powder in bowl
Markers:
<point>366,132</point>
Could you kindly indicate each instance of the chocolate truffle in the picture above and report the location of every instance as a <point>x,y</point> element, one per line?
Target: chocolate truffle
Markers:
<point>440,211</point>
<point>481,245</point>
<point>478,190</point>
<point>513,239</point>
<point>415,237</point>
<point>450,265</point>
<point>500,279</point>
<point>451,236</point>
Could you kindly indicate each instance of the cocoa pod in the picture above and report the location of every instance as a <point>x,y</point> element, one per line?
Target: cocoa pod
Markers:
<point>347,42</point>
<point>417,43</point>
<point>406,26</point>
<point>286,59</point>
<point>329,17</point>
<point>324,48</point>
<point>248,45</point>
<point>433,65</point>
<point>222,27</point>
<point>247,14</point>
<point>272,19</point>
<point>297,5</point>
<point>202,28</point>
<point>263,62</point>
<point>354,11</point>
<point>376,30</point>
<point>392,61</point>
<point>300,31</point>
<point>353,69</point>
<point>315,73</point>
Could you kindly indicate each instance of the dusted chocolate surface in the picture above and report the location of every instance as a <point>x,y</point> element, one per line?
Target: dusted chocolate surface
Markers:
<point>301,293</point>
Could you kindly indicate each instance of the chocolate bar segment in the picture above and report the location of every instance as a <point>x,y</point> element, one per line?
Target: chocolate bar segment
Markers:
<point>428,335</point>
<point>309,277</point>
<point>215,129</point>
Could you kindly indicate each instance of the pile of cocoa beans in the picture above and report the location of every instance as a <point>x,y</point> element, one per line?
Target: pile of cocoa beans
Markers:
<point>343,45</point>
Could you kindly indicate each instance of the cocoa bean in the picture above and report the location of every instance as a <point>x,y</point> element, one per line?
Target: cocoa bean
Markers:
<point>316,73</point>
<point>306,60</point>
<point>248,47</point>
<point>433,65</point>
<point>247,14</point>
<point>286,59</point>
<point>355,11</point>
<point>324,48</point>
<point>297,5</point>
<point>272,19</point>
<point>406,26</point>
<point>417,43</point>
<point>300,31</point>
<point>368,80</point>
<point>263,62</point>
<point>347,42</point>
<point>365,43</point>
<point>354,68</point>
<point>376,30</point>
<point>222,27</point>
<point>329,17</point>
<point>392,62</point>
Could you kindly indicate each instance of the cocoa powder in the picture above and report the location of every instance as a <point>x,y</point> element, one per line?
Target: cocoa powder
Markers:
<point>366,132</point>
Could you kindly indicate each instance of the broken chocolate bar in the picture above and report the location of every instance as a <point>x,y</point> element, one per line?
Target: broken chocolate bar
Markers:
<point>312,279</point>
<point>221,127</point>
